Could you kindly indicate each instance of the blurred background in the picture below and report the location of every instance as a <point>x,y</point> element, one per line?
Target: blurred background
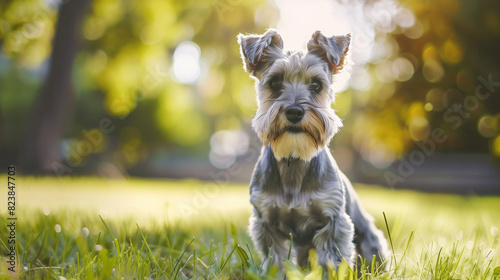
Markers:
<point>156,88</point>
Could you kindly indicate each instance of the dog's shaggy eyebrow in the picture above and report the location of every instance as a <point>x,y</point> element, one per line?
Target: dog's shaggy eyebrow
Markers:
<point>317,72</point>
<point>307,68</point>
<point>276,70</point>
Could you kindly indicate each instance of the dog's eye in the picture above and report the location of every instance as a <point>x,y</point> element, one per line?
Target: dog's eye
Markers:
<point>315,86</point>
<point>275,84</point>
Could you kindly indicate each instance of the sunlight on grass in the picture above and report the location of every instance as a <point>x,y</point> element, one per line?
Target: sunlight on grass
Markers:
<point>145,200</point>
<point>89,228</point>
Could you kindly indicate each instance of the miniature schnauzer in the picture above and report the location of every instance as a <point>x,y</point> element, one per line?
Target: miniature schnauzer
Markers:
<point>297,187</point>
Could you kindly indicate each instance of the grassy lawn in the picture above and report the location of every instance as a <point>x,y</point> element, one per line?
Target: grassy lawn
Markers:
<point>88,228</point>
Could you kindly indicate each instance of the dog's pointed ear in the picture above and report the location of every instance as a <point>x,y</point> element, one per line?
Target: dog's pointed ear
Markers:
<point>333,50</point>
<point>259,51</point>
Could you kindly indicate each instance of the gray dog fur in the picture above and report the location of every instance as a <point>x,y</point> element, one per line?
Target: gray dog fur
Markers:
<point>297,187</point>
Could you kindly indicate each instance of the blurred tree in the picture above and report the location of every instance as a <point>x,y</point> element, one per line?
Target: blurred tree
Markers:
<point>51,112</point>
<point>128,57</point>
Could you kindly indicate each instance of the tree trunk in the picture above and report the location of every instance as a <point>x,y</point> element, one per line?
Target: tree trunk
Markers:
<point>51,111</point>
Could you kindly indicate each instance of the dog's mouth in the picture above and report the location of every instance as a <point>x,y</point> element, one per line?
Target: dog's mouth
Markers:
<point>294,129</point>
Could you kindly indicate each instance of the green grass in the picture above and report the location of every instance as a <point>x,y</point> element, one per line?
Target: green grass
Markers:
<point>87,228</point>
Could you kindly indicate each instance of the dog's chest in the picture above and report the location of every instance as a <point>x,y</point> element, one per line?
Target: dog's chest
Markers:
<point>290,199</point>
<point>302,218</point>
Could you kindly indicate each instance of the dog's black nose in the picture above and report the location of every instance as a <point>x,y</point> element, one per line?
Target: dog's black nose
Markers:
<point>294,113</point>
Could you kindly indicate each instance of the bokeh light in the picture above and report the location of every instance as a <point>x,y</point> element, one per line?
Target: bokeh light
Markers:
<point>186,67</point>
<point>452,52</point>
<point>381,156</point>
<point>486,126</point>
<point>402,69</point>
<point>433,71</point>
<point>434,98</point>
<point>404,18</point>
<point>414,32</point>
<point>226,145</point>
<point>418,128</point>
<point>361,79</point>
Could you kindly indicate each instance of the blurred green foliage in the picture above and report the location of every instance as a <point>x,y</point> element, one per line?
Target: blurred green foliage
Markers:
<point>123,70</point>
<point>126,70</point>
<point>428,74</point>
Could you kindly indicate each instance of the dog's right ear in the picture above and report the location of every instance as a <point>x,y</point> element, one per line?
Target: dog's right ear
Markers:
<point>259,51</point>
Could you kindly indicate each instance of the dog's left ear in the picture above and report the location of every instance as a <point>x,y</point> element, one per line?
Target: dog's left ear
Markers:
<point>333,50</point>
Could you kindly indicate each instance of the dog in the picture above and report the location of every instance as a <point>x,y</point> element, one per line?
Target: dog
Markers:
<point>297,189</point>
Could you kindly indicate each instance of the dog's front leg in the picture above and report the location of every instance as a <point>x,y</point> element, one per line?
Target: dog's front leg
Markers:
<point>334,241</point>
<point>268,242</point>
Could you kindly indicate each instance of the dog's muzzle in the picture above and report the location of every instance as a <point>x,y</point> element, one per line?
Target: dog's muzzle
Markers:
<point>294,113</point>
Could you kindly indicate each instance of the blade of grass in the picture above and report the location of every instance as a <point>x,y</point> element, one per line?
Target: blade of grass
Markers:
<point>269,261</point>
<point>250,252</point>
<point>487,271</point>
<point>289,250</point>
<point>194,264</point>
<point>178,262</point>
<point>226,260</point>
<point>372,268</point>
<point>210,252</point>
<point>457,262</point>
<point>290,247</point>
<point>151,252</point>
<point>405,251</point>
<point>43,244</point>
<point>390,241</point>
<point>243,256</point>
<point>202,263</point>
<point>115,240</point>
<point>437,262</point>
